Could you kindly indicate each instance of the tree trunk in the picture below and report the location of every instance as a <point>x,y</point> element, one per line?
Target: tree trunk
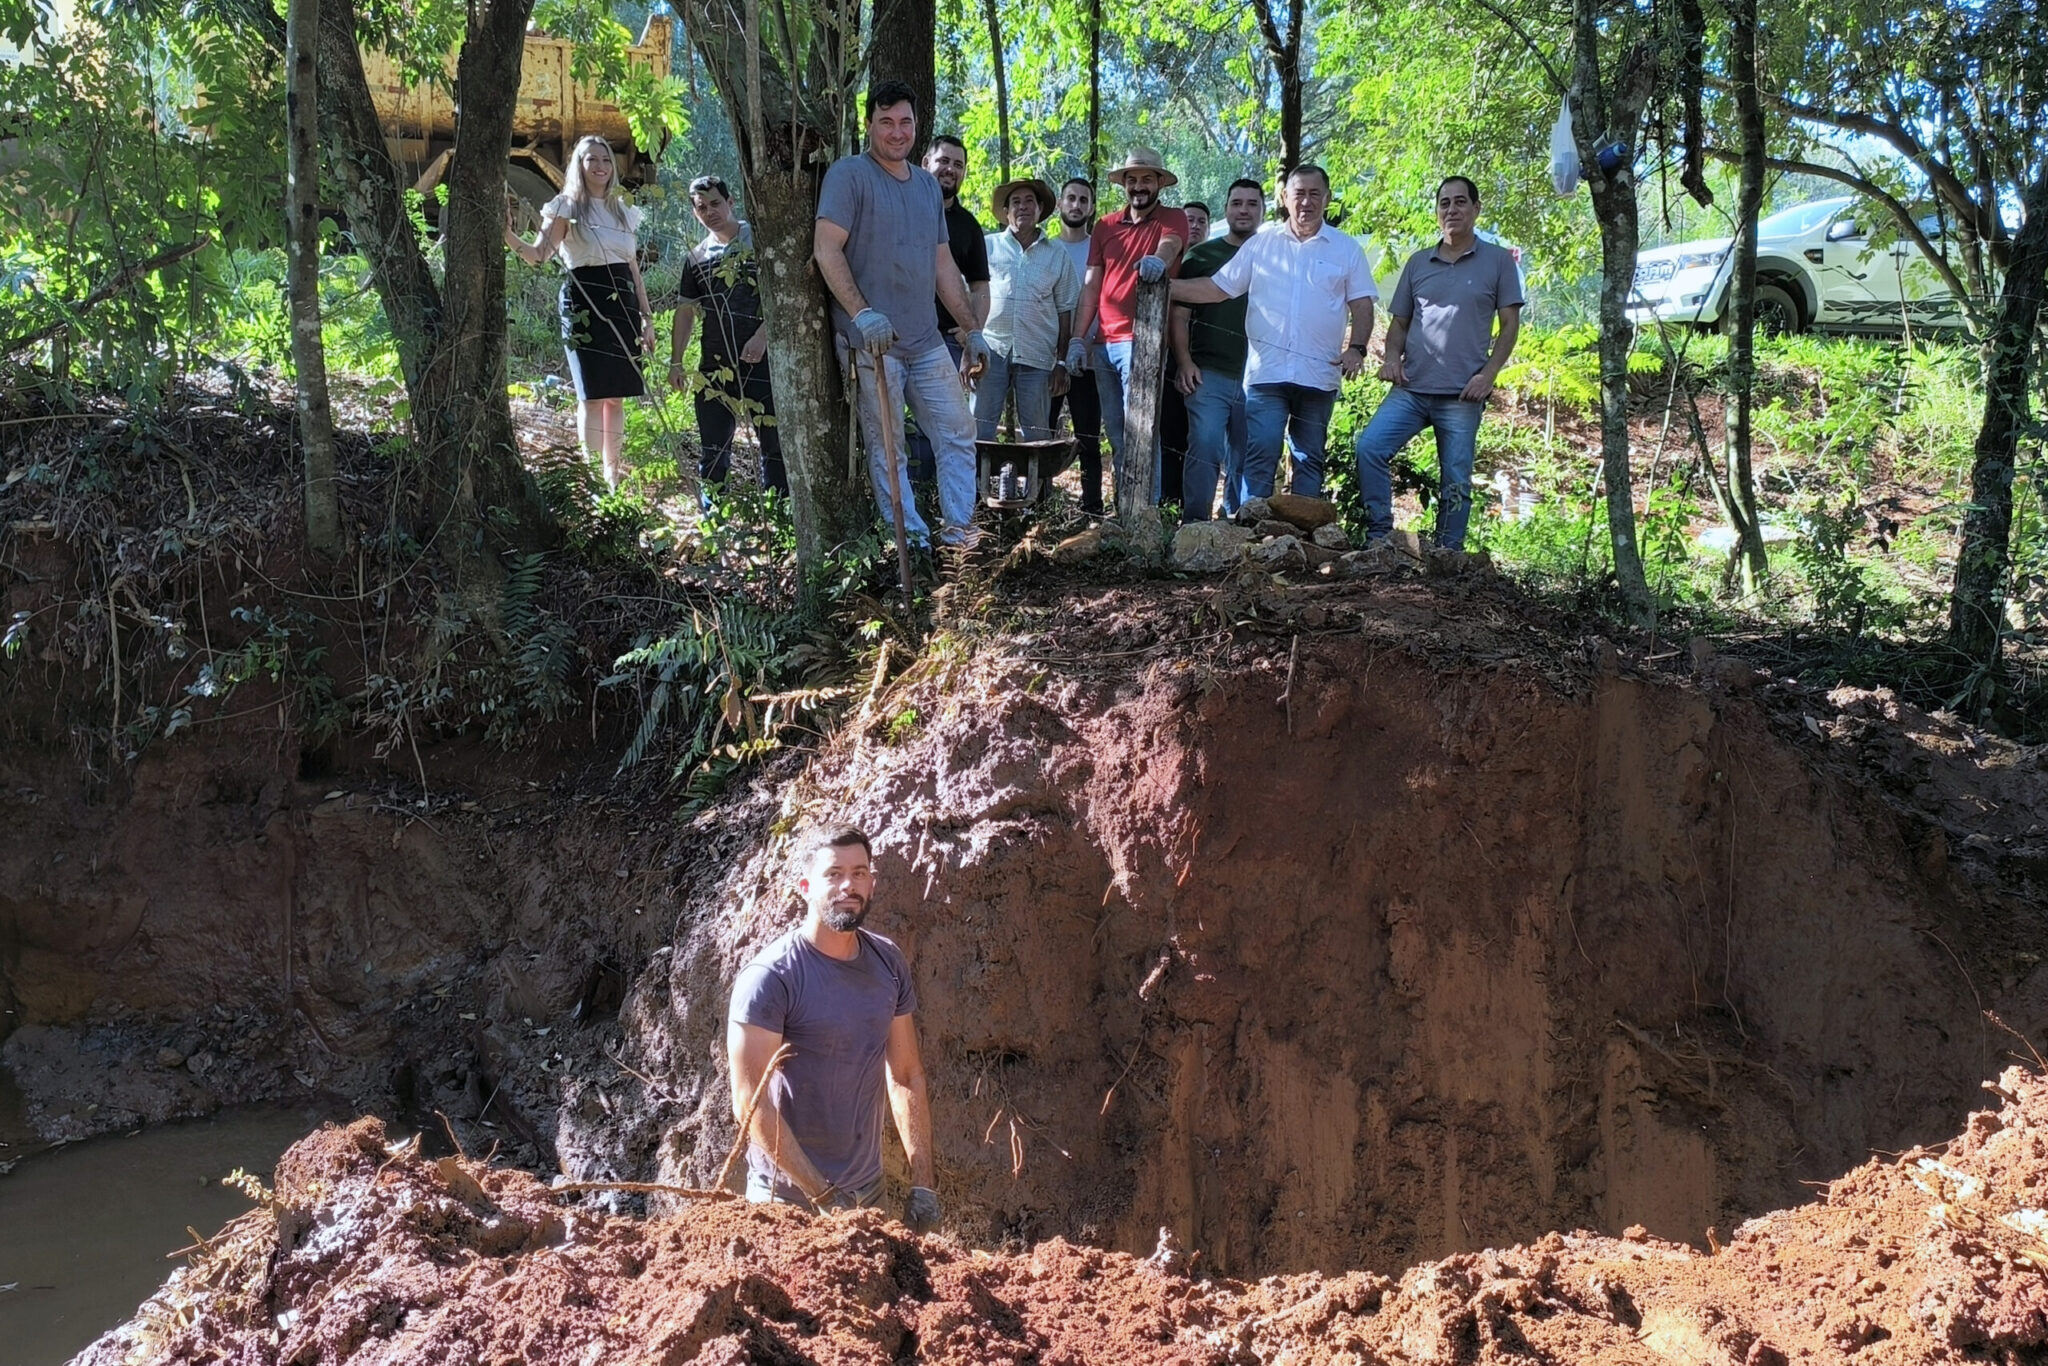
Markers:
<point>309,357</point>
<point>828,488</point>
<point>1134,465</point>
<point>904,49</point>
<point>462,413</point>
<point>1095,94</point>
<point>1976,611</point>
<point>1737,494</point>
<point>450,338</point>
<point>1284,51</point>
<point>1001,64</point>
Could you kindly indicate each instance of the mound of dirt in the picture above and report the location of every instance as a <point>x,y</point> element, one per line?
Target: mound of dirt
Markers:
<point>366,1253</point>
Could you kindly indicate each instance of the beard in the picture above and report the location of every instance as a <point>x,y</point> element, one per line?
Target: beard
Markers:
<point>1076,218</point>
<point>845,919</point>
<point>1141,200</point>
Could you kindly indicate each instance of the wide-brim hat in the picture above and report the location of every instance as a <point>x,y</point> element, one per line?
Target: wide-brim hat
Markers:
<point>1143,159</point>
<point>1040,190</point>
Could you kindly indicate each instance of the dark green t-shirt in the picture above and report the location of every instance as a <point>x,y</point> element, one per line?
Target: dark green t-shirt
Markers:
<point>1215,331</point>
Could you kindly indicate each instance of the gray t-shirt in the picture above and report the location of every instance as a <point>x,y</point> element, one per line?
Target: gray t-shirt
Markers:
<point>893,231</point>
<point>1450,306</point>
<point>835,1016</point>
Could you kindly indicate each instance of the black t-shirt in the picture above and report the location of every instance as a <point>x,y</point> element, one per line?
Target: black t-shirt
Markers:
<point>970,252</point>
<point>720,279</point>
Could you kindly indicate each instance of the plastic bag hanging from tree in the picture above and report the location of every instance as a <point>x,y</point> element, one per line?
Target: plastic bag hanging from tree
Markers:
<point>1564,152</point>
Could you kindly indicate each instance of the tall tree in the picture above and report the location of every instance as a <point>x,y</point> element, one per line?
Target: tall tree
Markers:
<point>1984,560</point>
<point>903,47</point>
<point>1735,489</point>
<point>1607,117</point>
<point>309,356</point>
<point>1001,64</point>
<point>1281,34</point>
<point>790,101</point>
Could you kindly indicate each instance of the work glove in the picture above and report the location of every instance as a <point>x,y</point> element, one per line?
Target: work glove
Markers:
<point>877,333</point>
<point>1077,356</point>
<point>975,348</point>
<point>921,1210</point>
<point>1151,269</point>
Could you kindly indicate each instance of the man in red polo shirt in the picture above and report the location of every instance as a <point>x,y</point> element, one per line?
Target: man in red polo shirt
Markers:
<point>1141,241</point>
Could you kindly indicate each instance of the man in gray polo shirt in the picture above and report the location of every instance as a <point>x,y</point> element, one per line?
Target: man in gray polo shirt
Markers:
<point>881,245</point>
<point>842,999</point>
<point>1443,356</point>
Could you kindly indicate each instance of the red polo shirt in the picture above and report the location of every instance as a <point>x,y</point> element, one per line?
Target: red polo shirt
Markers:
<point>1117,246</point>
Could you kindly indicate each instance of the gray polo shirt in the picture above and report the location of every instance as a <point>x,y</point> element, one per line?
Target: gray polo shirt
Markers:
<point>893,231</point>
<point>1449,307</point>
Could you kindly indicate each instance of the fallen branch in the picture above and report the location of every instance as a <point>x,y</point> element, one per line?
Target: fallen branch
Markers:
<point>170,256</point>
<point>747,1119</point>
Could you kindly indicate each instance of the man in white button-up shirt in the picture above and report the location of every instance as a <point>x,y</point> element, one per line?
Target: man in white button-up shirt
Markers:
<point>1308,319</point>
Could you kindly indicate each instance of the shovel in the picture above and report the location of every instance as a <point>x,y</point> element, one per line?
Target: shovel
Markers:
<point>895,479</point>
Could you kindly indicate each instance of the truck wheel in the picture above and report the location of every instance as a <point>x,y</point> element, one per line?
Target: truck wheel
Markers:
<point>1777,313</point>
<point>529,184</point>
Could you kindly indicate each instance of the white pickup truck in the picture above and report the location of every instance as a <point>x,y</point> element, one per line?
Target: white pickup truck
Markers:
<point>1815,268</point>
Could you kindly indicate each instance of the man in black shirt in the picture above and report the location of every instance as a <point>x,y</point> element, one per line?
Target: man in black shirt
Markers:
<point>946,159</point>
<point>720,278</point>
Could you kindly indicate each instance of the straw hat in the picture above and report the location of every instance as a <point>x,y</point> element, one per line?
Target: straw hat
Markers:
<point>1143,159</point>
<point>1040,190</point>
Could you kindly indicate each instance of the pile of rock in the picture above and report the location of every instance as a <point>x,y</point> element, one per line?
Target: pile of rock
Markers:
<point>1288,533</point>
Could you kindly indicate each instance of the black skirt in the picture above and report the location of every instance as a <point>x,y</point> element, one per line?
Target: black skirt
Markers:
<point>601,329</point>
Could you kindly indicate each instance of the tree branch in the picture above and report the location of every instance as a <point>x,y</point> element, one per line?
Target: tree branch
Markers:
<point>119,281</point>
<point>1514,26</point>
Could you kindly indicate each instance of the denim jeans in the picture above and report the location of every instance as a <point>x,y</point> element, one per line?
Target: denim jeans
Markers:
<point>932,387</point>
<point>1111,362</point>
<point>1296,413</point>
<point>1215,442</point>
<point>923,466</point>
<point>1401,416</point>
<point>1084,404</point>
<point>1033,388</point>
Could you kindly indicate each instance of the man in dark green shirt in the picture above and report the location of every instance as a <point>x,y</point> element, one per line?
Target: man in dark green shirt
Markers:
<point>1209,355</point>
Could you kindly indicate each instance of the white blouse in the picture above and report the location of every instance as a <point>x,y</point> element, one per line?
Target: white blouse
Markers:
<point>605,236</point>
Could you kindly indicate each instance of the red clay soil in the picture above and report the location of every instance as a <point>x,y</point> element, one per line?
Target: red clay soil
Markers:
<point>369,1254</point>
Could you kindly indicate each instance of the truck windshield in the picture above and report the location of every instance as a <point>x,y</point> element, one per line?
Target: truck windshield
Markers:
<point>1800,221</point>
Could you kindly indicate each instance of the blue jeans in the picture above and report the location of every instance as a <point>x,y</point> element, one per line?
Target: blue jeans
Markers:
<point>931,384</point>
<point>1033,388</point>
<point>924,467</point>
<point>1296,413</point>
<point>1400,418</point>
<point>1215,441</point>
<point>1111,362</point>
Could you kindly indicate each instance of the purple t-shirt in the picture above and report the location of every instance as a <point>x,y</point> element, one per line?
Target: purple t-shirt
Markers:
<point>835,1016</point>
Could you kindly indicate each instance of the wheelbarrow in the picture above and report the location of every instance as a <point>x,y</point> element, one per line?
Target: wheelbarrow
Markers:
<point>1016,476</point>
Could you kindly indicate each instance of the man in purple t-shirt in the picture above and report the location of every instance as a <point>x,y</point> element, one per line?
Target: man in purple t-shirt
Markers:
<point>842,999</point>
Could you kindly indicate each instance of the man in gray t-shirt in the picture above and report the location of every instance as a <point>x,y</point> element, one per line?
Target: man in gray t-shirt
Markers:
<point>1443,356</point>
<point>881,245</point>
<point>842,1001</point>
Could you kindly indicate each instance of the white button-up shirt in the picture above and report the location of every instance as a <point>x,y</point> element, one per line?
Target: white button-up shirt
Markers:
<point>1027,292</point>
<point>1297,305</point>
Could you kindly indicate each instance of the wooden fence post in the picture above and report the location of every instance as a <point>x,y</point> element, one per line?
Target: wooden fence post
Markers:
<point>1134,464</point>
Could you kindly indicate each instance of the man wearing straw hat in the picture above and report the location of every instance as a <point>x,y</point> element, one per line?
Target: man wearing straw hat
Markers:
<point>841,999</point>
<point>1140,242</point>
<point>1032,292</point>
<point>881,245</point>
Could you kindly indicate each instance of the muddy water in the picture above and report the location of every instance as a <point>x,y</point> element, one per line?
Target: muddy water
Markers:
<point>84,1228</point>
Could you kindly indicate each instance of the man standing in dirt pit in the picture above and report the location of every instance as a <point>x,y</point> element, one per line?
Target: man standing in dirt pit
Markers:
<point>1142,241</point>
<point>1443,356</point>
<point>1077,224</point>
<point>881,245</point>
<point>1303,282</point>
<point>842,999</point>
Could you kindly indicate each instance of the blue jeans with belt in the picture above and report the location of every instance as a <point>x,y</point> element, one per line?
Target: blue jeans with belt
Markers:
<point>1400,418</point>
<point>1297,414</point>
<point>1033,388</point>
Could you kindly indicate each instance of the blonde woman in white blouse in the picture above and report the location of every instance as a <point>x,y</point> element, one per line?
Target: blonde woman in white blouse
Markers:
<point>606,324</point>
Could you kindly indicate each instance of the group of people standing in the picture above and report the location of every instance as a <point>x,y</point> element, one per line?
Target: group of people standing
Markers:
<point>956,324</point>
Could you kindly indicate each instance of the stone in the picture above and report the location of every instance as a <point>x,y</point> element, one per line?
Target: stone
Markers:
<point>199,1064</point>
<point>1318,556</point>
<point>1279,554</point>
<point>170,1059</point>
<point>1306,513</point>
<point>1253,511</point>
<point>1273,526</point>
<point>1406,544</point>
<point>1086,545</point>
<point>1208,547</point>
<point>1331,537</point>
